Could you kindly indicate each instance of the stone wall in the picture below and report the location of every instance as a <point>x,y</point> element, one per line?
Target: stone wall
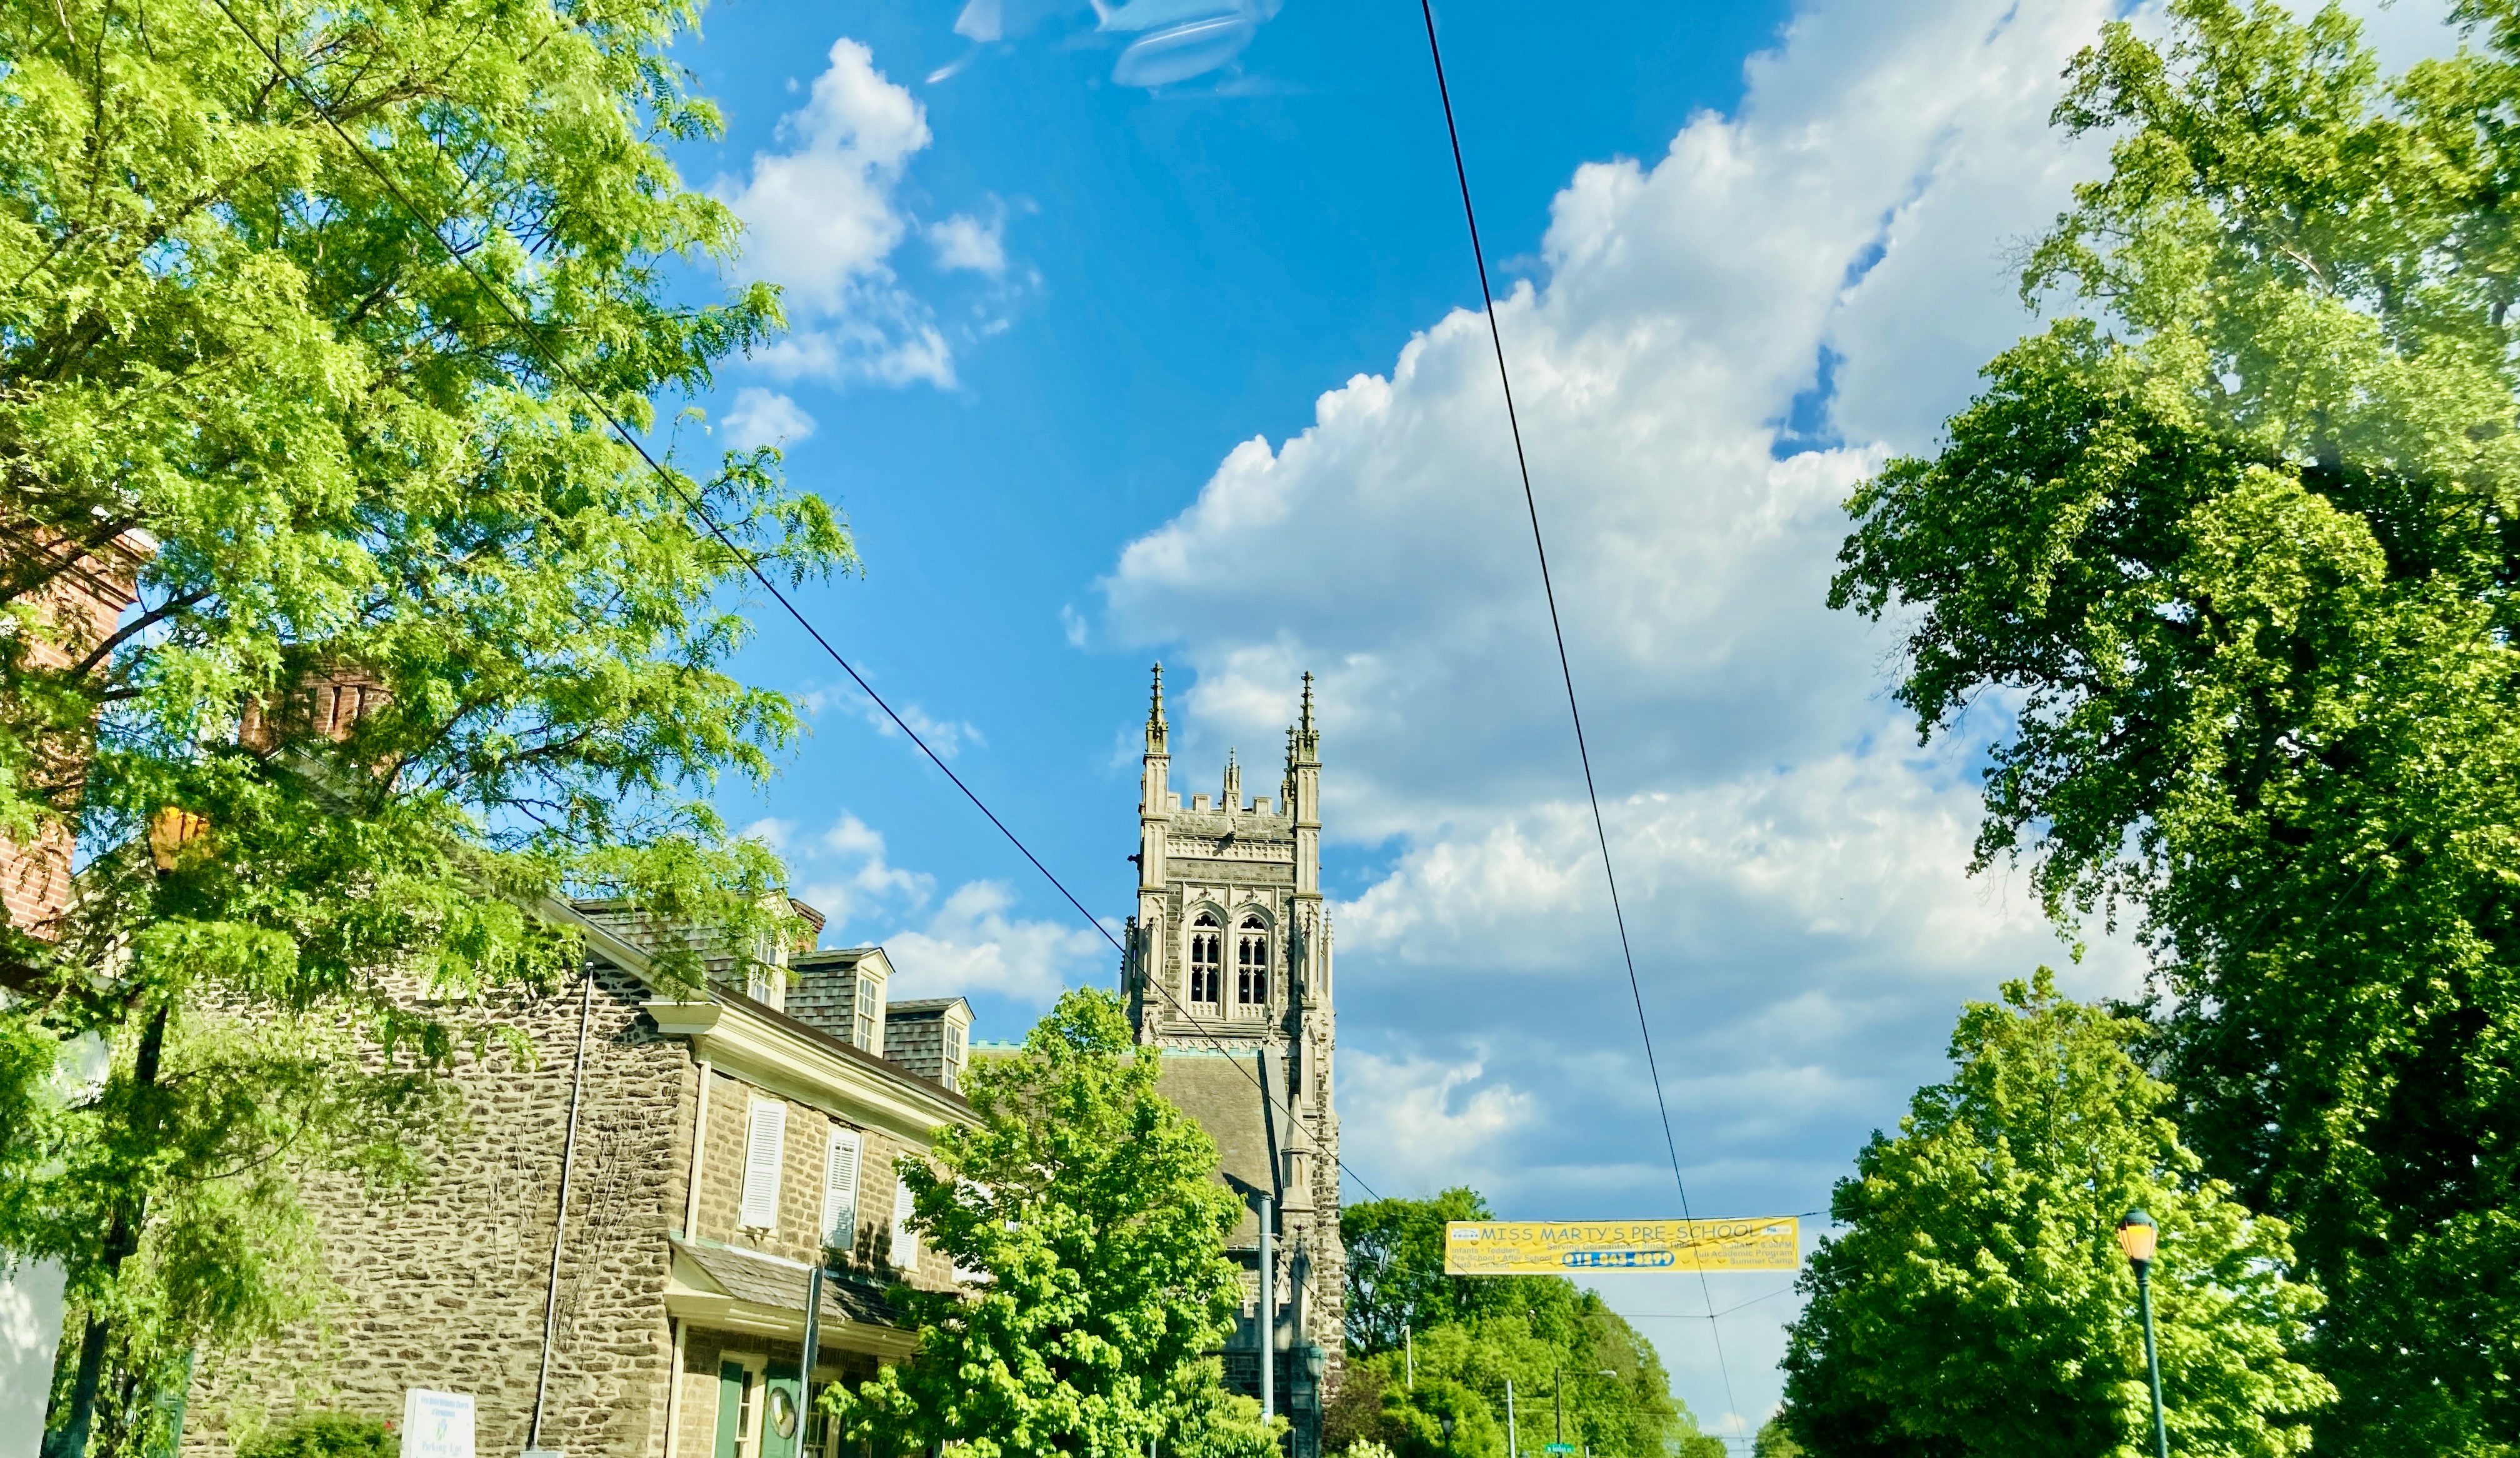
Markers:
<point>445,1285</point>
<point>796,1233</point>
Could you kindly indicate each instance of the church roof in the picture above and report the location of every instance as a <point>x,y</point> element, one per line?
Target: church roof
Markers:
<point>1222,1092</point>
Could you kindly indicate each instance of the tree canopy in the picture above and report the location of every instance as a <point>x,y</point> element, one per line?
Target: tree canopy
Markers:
<point>260,268</point>
<point>1087,1208</point>
<point>1976,1301</point>
<point>2236,553</point>
<point>1563,1349</point>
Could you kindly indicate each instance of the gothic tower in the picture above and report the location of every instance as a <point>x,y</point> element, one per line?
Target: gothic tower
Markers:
<point>1228,972</point>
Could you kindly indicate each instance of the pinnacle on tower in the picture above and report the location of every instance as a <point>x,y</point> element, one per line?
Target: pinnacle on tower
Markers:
<point>1307,742</point>
<point>1232,799</point>
<point>1155,726</point>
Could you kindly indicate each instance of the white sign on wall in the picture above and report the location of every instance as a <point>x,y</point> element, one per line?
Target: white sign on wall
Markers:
<point>436,1425</point>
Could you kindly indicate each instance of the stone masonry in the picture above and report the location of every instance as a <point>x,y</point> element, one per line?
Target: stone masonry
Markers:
<point>1228,970</point>
<point>445,1285</point>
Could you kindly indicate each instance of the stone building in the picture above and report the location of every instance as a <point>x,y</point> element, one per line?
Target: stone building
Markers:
<point>1228,970</point>
<point>727,1142</point>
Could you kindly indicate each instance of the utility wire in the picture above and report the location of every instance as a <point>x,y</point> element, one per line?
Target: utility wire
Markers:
<point>1566,671</point>
<point>561,369</point>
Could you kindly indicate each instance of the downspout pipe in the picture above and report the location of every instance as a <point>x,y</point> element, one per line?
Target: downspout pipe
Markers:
<point>559,1217</point>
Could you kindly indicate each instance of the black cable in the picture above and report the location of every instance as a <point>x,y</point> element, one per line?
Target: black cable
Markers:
<point>751,564</point>
<point>1566,671</point>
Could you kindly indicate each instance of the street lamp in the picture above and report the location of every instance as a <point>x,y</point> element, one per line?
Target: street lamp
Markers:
<point>2139,1237</point>
<point>1447,1421</point>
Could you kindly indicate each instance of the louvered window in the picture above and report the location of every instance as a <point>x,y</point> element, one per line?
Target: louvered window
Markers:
<point>840,1189</point>
<point>1206,963</point>
<point>1251,964</point>
<point>904,1241</point>
<point>765,1139</point>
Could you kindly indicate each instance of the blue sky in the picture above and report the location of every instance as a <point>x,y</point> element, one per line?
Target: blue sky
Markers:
<point>1102,372</point>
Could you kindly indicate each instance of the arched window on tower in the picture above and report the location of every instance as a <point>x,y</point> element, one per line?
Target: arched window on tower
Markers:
<point>1251,964</point>
<point>1206,959</point>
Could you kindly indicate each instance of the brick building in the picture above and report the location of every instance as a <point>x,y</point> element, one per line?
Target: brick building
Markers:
<point>80,598</point>
<point>727,1143</point>
<point>1228,970</point>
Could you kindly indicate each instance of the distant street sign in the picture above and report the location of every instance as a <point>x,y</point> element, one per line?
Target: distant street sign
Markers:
<point>1561,1447</point>
<point>1523,1247</point>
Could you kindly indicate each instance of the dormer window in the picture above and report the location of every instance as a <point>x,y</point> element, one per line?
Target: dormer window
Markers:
<point>1206,959</point>
<point>1251,964</point>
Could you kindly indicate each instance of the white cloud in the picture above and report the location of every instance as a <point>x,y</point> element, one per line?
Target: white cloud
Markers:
<point>1792,867</point>
<point>945,736</point>
<point>966,242</point>
<point>823,220</point>
<point>847,877</point>
<point>770,831</point>
<point>969,944</point>
<point>972,947</point>
<point>765,416</point>
<point>1425,1133</point>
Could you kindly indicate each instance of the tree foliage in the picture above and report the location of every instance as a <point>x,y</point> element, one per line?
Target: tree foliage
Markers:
<point>1395,1271</point>
<point>324,1434</point>
<point>1977,1302</point>
<point>2236,555</point>
<point>237,360</point>
<point>1088,1208</point>
<point>1559,1344</point>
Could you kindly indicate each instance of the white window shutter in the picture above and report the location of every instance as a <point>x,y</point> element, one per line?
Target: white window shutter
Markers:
<point>765,1141</point>
<point>840,1189</point>
<point>904,1241</point>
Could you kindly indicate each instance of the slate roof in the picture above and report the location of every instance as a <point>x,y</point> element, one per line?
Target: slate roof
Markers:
<point>1219,1091</point>
<point>769,1281</point>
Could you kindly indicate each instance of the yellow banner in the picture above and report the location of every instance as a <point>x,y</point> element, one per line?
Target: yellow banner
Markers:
<point>1538,1248</point>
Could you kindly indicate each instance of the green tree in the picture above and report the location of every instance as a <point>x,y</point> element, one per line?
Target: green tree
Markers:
<point>1776,1440</point>
<point>2236,558</point>
<point>1977,1302</point>
<point>1090,1210</point>
<point>1395,1271</point>
<point>237,360</point>
<point>1559,1344</point>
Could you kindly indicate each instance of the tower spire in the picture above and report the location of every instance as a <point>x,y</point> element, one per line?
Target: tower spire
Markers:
<point>1307,747</point>
<point>1155,726</point>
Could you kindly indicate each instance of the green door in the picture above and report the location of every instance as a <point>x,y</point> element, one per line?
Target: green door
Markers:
<point>783,1420</point>
<point>734,1402</point>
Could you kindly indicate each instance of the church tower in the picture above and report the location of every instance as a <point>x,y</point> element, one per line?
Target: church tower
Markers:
<point>1228,970</point>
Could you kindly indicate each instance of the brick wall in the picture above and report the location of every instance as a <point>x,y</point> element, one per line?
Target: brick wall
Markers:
<point>82,605</point>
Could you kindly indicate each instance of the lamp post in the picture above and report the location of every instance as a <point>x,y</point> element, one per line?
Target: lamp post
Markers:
<point>1447,1421</point>
<point>2139,1237</point>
